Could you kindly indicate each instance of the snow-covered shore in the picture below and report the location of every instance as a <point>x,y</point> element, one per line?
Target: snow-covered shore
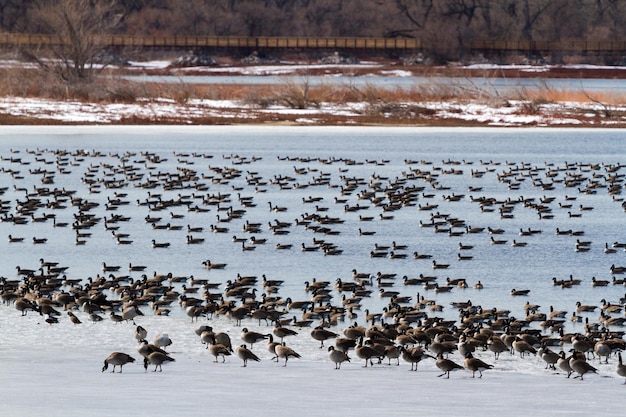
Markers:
<point>231,111</point>
<point>489,111</point>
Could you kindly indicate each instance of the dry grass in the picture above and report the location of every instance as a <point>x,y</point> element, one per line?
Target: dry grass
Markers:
<point>552,95</point>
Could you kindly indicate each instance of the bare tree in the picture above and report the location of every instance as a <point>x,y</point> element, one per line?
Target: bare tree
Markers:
<point>12,15</point>
<point>79,26</point>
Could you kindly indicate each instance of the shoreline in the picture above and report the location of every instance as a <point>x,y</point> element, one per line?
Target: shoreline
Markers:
<point>264,104</point>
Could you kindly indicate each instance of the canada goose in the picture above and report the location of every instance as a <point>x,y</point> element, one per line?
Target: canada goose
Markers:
<point>413,355</point>
<point>322,334</point>
<point>599,282</point>
<point>446,365</point>
<point>366,352</point>
<point>156,244</point>
<point>519,292</point>
<point>465,247</point>
<point>617,269</point>
<point>522,347</point>
<point>478,285</point>
<point>580,365</point>
<point>73,318</point>
<point>23,305</point>
<point>563,363</point>
<point>602,348</point>
<point>194,229</point>
<point>557,314</point>
<point>354,332</point>
<point>157,359</point>
<point>140,333</point>
<point>247,248</point>
<point>162,341</point>
<point>271,348</point>
<point>14,239</point>
<point>276,208</point>
<point>618,281</point>
<point>130,312</point>
<point>110,268</point>
<point>132,267</point>
<point>39,241</point>
<point>442,347</point>
<point>194,240</point>
<point>366,232</point>
<point>283,332</point>
<point>496,345</point>
<point>209,265</point>
<point>115,359</point>
<point>517,244</point>
<point>439,266</point>
<point>608,249</point>
<point>417,255</point>
<point>116,318</point>
<point>245,354</point>
<point>474,364</point>
<point>217,349</point>
<point>252,337</point>
<point>584,308</point>
<point>218,229</point>
<point>305,248</point>
<point>393,352</point>
<point>531,308</point>
<point>581,344</point>
<point>284,351</point>
<point>620,368</point>
<point>497,241</point>
<point>337,356</point>
<point>95,317</point>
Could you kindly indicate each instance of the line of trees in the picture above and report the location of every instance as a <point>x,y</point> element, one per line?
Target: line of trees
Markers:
<point>453,22</point>
<point>445,26</point>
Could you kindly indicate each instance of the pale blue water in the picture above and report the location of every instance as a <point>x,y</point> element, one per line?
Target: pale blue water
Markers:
<point>488,84</point>
<point>494,151</point>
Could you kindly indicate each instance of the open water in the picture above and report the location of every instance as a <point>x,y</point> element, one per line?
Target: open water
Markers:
<point>135,172</point>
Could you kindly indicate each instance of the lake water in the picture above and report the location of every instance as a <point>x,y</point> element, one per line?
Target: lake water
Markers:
<point>284,166</point>
<point>489,84</point>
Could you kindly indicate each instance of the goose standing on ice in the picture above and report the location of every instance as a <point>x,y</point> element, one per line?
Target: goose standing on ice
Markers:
<point>117,359</point>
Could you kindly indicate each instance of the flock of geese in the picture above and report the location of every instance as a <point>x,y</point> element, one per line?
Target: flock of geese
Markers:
<point>406,329</point>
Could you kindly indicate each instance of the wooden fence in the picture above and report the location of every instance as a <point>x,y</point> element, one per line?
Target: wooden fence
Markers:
<point>246,42</point>
<point>338,43</point>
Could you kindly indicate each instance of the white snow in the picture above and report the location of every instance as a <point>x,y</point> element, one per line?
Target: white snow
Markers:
<point>512,114</point>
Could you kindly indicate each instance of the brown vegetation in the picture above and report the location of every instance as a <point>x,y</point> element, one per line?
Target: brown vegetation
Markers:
<point>463,20</point>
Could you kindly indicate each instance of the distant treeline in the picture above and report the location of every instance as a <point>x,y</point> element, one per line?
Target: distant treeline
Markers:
<point>447,27</point>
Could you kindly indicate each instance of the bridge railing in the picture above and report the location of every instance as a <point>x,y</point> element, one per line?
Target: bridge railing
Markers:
<point>349,43</point>
<point>267,42</point>
<point>548,46</point>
